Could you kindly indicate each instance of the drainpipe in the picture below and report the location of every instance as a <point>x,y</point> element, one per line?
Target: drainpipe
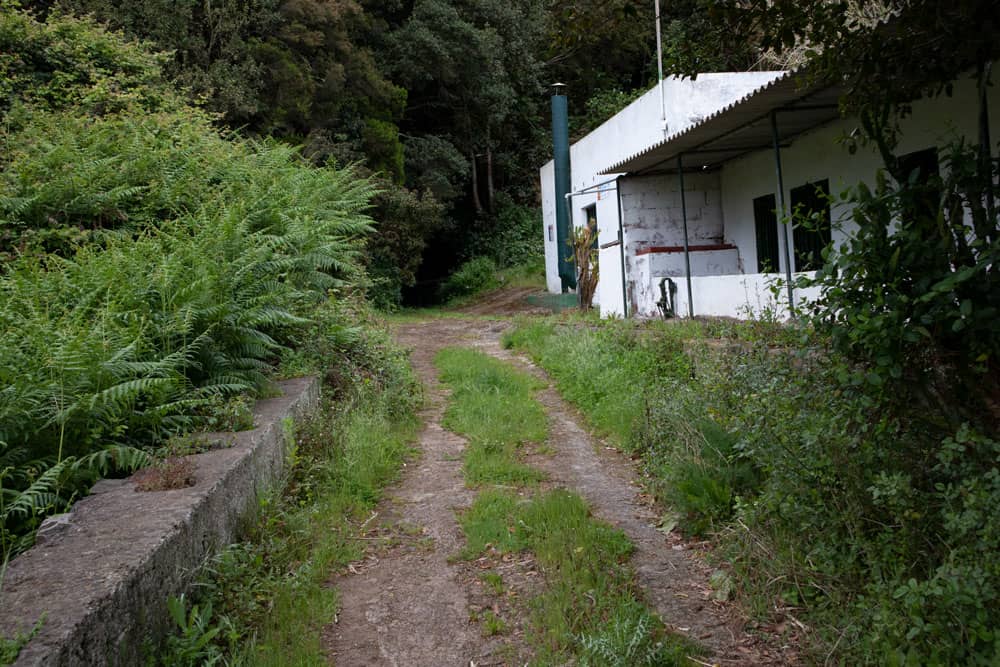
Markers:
<point>560,150</point>
<point>684,219</point>
<point>621,246</point>
<point>659,64</point>
<point>781,211</point>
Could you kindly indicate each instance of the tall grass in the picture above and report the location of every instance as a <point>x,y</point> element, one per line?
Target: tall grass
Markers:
<point>612,371</point>
<point>856,514</point>
<point>494,406</point>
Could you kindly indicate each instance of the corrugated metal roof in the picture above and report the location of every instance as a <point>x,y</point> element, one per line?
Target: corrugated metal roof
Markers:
<point>741,127</point>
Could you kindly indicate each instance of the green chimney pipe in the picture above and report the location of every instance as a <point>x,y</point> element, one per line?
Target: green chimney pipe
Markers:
<point>560,147</point>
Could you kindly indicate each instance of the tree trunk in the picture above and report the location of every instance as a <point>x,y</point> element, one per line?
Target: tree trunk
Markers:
<point>475,184</point>
<point>489,179</point>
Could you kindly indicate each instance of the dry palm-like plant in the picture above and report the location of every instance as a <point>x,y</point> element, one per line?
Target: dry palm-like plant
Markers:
<point>585,254</point>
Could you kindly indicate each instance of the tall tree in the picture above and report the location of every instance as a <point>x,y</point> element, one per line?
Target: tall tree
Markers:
<point>473,79</point>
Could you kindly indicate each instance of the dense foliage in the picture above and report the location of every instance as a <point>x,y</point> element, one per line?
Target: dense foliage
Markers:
<point>866,525</point>
<point>153,265</point>
<point>445,100</point>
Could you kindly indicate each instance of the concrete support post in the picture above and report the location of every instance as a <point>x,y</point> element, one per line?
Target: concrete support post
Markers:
<point>621,246</point>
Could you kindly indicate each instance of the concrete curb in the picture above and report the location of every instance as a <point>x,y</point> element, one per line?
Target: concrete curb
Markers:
<point>101,575</point>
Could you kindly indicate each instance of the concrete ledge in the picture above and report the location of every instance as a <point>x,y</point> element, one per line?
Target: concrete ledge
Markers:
<point>101,575</point>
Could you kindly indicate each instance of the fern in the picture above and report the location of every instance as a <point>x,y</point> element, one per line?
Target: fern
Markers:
<point>150,263</point>
<point>39,498</point>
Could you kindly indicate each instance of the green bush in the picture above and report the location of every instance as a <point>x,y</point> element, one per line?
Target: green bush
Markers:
<point>153,266</point>
<point>73,62</point>
<point>862,512</point>
<point>510,237</point>
<point>472,277</point>
<point>405,219</point>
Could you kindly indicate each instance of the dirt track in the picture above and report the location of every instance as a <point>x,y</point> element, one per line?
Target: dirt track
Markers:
<point>406,604</point>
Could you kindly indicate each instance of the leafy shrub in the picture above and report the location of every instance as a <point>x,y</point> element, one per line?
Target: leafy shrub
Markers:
<point>472,277</point>
<point>630,642</point>
<point>73,62</point>
<point>404,219</point>
<point>153,266</point>
<point>913,294</point>
<point>193,644</point>
<point>511,237</point>
<point>863,513</point>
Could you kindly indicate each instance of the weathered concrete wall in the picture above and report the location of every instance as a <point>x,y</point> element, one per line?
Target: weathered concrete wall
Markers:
<point>101,575</point>
<point>652,212</point>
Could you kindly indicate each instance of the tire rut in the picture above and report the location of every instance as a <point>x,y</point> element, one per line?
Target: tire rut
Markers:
<point>407,605</point>
<point>410,606</point>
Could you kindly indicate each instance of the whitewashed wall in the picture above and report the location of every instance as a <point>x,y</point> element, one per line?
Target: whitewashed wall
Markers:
<point>820,155</point>
<point>742,295</point>
<point>552,281</point>
<point>631,131</point>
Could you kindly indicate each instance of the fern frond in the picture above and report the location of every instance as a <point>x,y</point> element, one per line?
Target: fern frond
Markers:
<point>40,497</point>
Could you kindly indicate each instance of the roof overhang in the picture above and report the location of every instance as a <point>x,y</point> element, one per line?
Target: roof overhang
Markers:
<point>741,127</point>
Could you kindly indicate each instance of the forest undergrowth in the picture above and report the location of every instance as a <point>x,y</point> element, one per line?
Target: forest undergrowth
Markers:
<point>839,511</point>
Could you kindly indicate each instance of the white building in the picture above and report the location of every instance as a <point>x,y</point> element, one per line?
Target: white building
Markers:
<point>720,143</point>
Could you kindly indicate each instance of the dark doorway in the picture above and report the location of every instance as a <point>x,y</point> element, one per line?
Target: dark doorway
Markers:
<point>590,213</point>
<point>765,220</point>
<point>811,228</point>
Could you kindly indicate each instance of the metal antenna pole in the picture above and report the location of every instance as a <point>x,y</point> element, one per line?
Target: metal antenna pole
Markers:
<point>659,65</point>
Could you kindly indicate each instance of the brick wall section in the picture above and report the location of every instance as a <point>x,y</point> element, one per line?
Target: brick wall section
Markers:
<point>101,575</point>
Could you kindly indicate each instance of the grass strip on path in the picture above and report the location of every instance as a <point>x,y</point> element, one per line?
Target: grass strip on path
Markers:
<point>492,405</point>
<point>590,610</point>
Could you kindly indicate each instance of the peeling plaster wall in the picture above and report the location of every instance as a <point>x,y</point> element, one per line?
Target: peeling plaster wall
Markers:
<point>652,213</point>
<point>653,217</point>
